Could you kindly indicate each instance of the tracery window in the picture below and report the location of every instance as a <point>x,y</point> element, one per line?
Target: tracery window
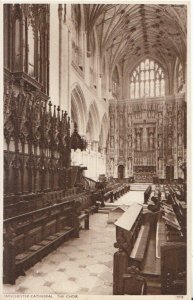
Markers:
<point>115,82</point>
<point>30,51</point>
<point>76,35</point>
<point>147,80</point>
<point>180,79</point>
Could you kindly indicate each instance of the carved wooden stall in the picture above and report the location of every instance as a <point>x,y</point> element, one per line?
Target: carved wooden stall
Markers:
<point>37,140</point>
<point>151,242</point>
<point>44,201</point>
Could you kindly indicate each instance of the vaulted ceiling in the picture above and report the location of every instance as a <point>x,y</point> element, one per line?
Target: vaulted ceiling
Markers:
<point>128,32</point>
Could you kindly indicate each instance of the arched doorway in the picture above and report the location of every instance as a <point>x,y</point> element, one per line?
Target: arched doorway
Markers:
<point>169,173</point>
<point>120,172</point>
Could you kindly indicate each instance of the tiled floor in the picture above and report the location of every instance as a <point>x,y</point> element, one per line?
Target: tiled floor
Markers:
<point>81,266</point>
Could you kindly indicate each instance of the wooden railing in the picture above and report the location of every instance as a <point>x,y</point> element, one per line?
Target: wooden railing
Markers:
<point>89,183</point>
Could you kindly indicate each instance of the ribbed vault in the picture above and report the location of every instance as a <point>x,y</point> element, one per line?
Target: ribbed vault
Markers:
<point>129,32</point>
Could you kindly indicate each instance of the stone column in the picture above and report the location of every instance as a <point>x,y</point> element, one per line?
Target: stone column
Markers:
<point>86,59</point>
<point>54,54</point>
<point>64,13</point>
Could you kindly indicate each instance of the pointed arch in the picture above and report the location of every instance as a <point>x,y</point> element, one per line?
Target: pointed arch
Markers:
<point>147,79</point>
<point>93,124</point>
<point>116,78</point>
<point>179,76</point>
<point>150,57</point>
<point>78,108</point>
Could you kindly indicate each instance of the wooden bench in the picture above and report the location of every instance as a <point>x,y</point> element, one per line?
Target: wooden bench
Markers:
<point>111,192</point>
<point>31,236</point>
<point>138,252</point>
<point>19,204</point>
<point>128,240</point>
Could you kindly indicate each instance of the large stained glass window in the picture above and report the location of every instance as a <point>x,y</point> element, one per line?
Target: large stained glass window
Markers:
<point>147,80</point>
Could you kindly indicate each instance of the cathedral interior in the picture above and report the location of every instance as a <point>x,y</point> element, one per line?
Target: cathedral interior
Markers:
<point>95,147</point>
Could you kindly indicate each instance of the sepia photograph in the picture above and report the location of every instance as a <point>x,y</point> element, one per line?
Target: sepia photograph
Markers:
<point>95,149</point>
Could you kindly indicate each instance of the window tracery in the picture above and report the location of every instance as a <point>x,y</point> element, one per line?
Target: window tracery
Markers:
<point>147,80</point>
<point>76,35</point>
<point>30,41</point>
<point>180,79</point>
<point>115,82</point>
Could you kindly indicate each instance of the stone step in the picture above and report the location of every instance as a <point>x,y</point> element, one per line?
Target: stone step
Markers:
<point>137,189</point>
<point>103,211</point>
<point>139,186</point>
<point>106,208</point>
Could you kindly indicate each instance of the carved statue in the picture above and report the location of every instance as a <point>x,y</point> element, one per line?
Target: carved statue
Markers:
<point>151,146</point>
<point>121,143</point>
<point>180,139</point>
<point>112,142</point>
<point>129,120</point>
<point>138,142</point>
<point>112,166</point>
<point>160,164</point>
<point>159,141</point>
<point>112,123</point>
<point>129,141</point>
<point>121,122</point>
<point>160,121</point>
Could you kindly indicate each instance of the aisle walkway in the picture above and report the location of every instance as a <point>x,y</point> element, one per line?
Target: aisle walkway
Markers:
<point>80,266</point>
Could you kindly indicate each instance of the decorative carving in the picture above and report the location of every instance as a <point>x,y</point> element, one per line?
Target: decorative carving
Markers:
<point>76,141</point>
<point>133,283</point>
<point>121,243</point>
<point>112,122</point>
<point>150,134</point>
<point>112,142</point>
<point>32,130</point>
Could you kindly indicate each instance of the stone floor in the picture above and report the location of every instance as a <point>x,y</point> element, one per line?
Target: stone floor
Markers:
<point>80,266</point>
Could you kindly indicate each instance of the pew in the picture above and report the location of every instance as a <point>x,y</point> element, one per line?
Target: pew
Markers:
<point>133,282</point>
<point>31,236</point>
<point>138,252</point>
<point>146,240</point>
<point>110,192</point>
<point>19,204</point>
<point>128,229</point>
<point>36,223</point>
